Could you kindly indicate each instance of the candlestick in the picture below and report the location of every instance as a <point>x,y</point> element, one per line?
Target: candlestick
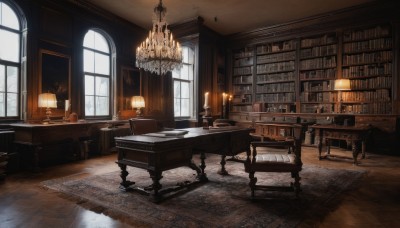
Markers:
<point>206,100</point>
<point>66,105</point>
<point>224,96</point>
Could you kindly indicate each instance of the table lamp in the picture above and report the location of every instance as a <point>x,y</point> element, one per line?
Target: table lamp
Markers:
<point>341,85</point>
<point>137,103</point>
<point>47,100</point>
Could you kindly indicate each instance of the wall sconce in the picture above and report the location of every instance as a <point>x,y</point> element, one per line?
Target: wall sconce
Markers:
<point>47,100</point>
<point>341,85</point>
<point>138,103</point>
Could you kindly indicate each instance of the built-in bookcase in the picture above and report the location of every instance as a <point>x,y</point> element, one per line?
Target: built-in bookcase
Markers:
<point>317,72</point>
<point>242,80</point>
<point>367,62</point>
<point>298,75</point>
<point>275,76</point>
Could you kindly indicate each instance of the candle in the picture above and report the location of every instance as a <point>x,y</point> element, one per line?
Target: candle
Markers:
<point>224,96</point>
<point>206,99</point>
<point>66,105</point>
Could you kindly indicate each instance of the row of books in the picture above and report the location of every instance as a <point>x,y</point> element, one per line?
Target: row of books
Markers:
<point>275,67</point>
<point>244,54</point>
<point>369,33</point>
<point>368,45</point>
<point>371,83</point>
<point>315,86</point>
<point>245,98</point>
<point>318,97</point>
<point>366,96</point>
<point>277,47</point>
<point>243,70</point>
<point>314,108</point>
<point>309,42</point>
<point>324,62</point>
<point>276,77</point>
<point>243,79</point>
<point>276,97</point>
<point>242,108</point>
<point>243,62</point>
<point>276,57</point>
<point>364,58</point>
<point>318,74</point>
<point>367,70</point>
<point>318,51</point>
<point>276,87</point>
<point>242,89</point>
<point>370,108</point>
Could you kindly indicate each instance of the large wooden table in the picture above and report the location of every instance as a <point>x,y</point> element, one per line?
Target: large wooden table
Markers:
<point>157,153</point>
<point>355,134</point>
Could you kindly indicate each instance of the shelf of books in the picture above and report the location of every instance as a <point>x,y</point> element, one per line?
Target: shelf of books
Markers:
<point>275,76</point>
<point>367,62</point>
<point>242,81</point>
<point>317,72</point>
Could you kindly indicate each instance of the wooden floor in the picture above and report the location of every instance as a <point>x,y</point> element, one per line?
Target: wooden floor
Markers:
<point>23,203</point>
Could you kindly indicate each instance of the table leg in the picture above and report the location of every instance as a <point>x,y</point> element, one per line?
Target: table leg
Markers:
<point>355,151</point>
<point>156,177</point>
<point>320,149</point>
<point>124,185</point>
<point>223,171</point>
<point>363,149</point>
<point>328,146</point>
<point>202,176</point>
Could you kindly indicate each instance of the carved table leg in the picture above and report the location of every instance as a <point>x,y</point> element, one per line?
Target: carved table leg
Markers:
<point>355,150</point>
<point>296,185</point>
<point>252,183</point>
<point>156,177</point>
<point>124,185</point>
<point>223,171</point>
<point>202,176</point>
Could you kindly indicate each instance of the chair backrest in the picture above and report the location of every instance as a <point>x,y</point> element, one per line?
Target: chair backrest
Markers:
<point>143,126</point>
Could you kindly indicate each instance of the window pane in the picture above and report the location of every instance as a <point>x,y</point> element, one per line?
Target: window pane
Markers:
<point>8,17</point>
<point>2,105</point>
<point>12,79</point>
<point>102,106</point>
<point>190,56</point>
<point>185,72</point>
<point>184,107</point>
<point>9,46</point>
<point>102,86</point>
<point>176,73</point>
<point>177,89</point>
<point>89,105</point>
<point>89,85</point>
<point>177,107</point>
<point>102,64</point>
<point>185,55</point>
<point>185,90</point>
<point>12,104</point>
<point>100,43</point>
<point>88,61</point>
<point>2,78</point>
<point>88,41</point>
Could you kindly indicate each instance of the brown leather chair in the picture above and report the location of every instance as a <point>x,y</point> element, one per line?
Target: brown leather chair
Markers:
<point>143,126</point>
<point>277,156</point>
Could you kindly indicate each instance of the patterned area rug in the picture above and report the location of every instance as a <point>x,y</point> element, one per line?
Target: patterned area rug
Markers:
<point>223,201</point>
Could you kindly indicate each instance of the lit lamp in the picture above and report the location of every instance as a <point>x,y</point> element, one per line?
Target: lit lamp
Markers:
<point>341,85</point>
<point>138,103</point>
<point>47,100</point>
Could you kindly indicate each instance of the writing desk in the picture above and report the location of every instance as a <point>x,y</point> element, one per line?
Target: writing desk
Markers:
<point>156,153</point>
<point>355,134</point>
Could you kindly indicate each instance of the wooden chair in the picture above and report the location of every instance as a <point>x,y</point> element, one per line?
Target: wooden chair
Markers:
<point>279,156</point>
<point>143,126</point>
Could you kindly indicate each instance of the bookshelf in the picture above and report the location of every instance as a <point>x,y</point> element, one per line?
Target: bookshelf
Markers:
<point>242,80</point>
<point>367,62</point>
<point>275,85</point>
<point>317,72</point>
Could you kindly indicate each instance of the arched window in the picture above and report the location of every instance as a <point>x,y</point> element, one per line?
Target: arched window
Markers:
<point>10,57</point>
<point>97,71</point>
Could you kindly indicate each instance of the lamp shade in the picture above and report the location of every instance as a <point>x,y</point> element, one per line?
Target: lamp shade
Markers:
<point>342,84</point>
<point>137,102</point>
<point>47,100</point>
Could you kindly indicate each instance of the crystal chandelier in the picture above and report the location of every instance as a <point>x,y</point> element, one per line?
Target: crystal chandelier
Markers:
<point>159,53</point>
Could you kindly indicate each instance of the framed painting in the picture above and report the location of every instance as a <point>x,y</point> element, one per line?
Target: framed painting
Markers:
<point>131,86</point>
<point>55,75</point>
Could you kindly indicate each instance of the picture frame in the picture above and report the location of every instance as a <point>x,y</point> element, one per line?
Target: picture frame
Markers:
<point>131,81</point>
<point>55,75</point>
